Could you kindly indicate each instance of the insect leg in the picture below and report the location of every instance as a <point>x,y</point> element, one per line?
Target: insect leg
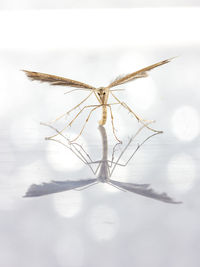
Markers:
<point>144,122</point>
<point>96,106</point>
<point>113,128</point>
<point>68,112</point>
<point>69,124</point>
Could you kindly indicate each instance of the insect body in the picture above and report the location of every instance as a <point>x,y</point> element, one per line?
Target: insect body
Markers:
<point>102,94</point>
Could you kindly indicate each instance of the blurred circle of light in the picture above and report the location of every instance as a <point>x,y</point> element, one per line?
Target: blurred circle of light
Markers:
<point>103,223</point>
<point>109,188</point>
<point>66,102</point>
<point>54,97</point>
<point>24,132</point>
<point>182,172</point>
<point>141,93</point>
<point>68,204</point>
<point>139,165</point>
<point>62,158</point>
<point>70,251</point>
<point>127,64</point>
<point>185,123</point>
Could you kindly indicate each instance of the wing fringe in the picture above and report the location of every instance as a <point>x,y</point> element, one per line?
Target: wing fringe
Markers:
<point>55,80</point>
<point>137,74</point>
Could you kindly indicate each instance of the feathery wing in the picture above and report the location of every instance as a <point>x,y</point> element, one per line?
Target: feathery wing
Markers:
<point>145,190</point>
<point>56,187</point>
<point>137,74</point>
<point>55,80</point>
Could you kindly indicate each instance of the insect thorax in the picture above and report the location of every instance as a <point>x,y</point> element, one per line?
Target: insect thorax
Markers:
<point>103,94</point>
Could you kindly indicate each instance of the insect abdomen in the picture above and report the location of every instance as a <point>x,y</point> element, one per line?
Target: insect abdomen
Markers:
<point>104,116</point>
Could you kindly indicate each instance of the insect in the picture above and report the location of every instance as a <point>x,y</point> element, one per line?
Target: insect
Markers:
<point>102,94</point>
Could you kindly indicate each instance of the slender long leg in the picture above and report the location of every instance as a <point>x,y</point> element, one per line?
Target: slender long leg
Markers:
<point>68,112</point>
<point>113,155</point>
<point>113,128</point>
<point>90,106</point>
<point>85,187</point>
<point>137,148</point>
<point>96,106</point>
<point>72,146</point>
<point>119,188</point>
<point>144,122</point>
<point>69,124</point>
<point>125,106</point>
<point>128,144</point>
<point>97,168</point>
<point>80,89</point>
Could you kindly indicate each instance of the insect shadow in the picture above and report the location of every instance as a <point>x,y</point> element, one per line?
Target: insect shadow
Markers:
<point>103,171</point>
<point>102,95</point>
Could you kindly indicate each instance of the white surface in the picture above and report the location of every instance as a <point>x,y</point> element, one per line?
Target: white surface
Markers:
<point>51,4</point>
<point>96,28</point>
<point>97,227</point>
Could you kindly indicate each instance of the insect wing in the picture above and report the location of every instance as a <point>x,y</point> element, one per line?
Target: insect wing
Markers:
<point>137,74</point>
<point>56,80</point>
<point>144,190</point>
<point>56,187</point>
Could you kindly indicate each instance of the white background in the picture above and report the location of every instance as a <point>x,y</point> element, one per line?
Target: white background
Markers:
<point>96,227</point>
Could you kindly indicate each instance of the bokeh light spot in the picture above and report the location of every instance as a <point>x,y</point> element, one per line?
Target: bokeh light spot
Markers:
<point>109,188</point>
<point>182,172</point>
<point>24,132</point>
<point>103,223</point>
<point>142,93</point>
<point>185,123</point>
<point>62,158</point>
<point>68,204</point>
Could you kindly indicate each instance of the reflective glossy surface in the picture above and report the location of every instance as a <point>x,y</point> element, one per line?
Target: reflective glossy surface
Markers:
<point>131,216</point>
